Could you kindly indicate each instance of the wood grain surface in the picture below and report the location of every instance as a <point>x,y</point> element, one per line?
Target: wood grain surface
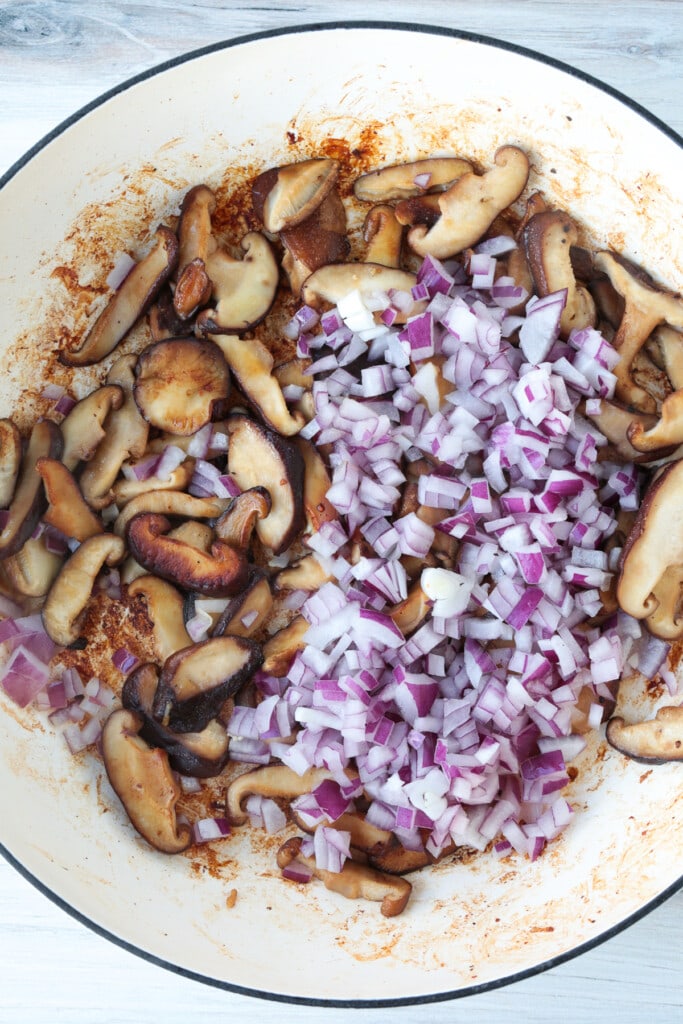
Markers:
<point>54,58</point>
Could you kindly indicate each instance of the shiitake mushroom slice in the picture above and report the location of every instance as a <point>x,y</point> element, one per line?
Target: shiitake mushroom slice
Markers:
<point>180,382</point>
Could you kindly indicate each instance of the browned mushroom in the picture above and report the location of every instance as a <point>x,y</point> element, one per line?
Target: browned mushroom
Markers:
<point>423,210</point>
<point>654,544</point>
<point>615,422</point>
<point>142,779</point>
<point>364,836</point>
<point>471,204</point>
<point>123,436</point>
<point>548,239</point>
<point>280,650</point>
<point>202,755</point>
<point>646,306</point>
<point>196,243</point>
<point>354,881</point>
<point>666,432</point>
<point>219,573</point>
<point>243,290</point>
<point>331,283</point>
<point>285,196</point>
<point>67,509</point>
<point>165,606</point>
<point>670,347</point>
<point>82,428</point>
<point>129,303</point>
<point>399,181</point>
<point>665,620</point>
<point>307,574</point>
<point>652,742</point>
<point>179,383</point>
<point>64,609</point>
<point>125,489</point>
<point>411,612</point>
<point>164,322</point>
<point>33,569</point>
<point>170,503</point>
<point>237,523</point>
<point>28,502</point>
<point>275,781</point>
<point>383,237</point>
<point>252,366</point>
<point>394,858</point>
<point>316,485</point>
<point>195,682</point>
<point>315,242</point>
<point>248,612</point>
<point>258,457</point>
<point>10,460</point>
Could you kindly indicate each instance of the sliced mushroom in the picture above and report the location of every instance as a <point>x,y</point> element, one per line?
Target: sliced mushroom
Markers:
<point>364,836</point>
<point>10,460</point>
<point>654,544</point>
<point>258,457</point>
<point>196,244</point>
<point>124,436</point>
<point>332,283</point>
<point>195,682</point>
<point>354,881</point>
<point>666,432</point>
<point>665,621</point>
<point>142,779</point>
<point>411,612</point>
<point>394,858</point>
<point>307,574</point>
<point>281,649</point>
<point>67,509</point>
<point>275,781</point>
<point>33,569</point>
<point>129,303</point>
<point>124,489</point>
<point>471,204</point>
<point>82,428</point>
<point>202,755</point>
<point>252,366</point>
<point>294,372</point>
<point>646,306</point>
<point>170,503</point>
<point>237,523</point>
<point>548,239</point>
<point>399,181</point>
<point>315,242</point>
<point>423,210</point>
<point>316,485</point>
<point>615,422</point>
<point>179,383</point>
<point>219,573</point>
<point>652,742</point>
<point>196,534</point>
<point>383,237</point>
<point>243,290</point>
<point>285,196</point>
<point>28,502</point>
<point>670,345</point>
<point>164,322</point>
<point>248,612</point>
<point>165,607</point>
<point>69,595</point>
<point>195,235</point>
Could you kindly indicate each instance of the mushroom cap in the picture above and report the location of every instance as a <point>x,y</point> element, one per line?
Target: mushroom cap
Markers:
<point>654,544</point>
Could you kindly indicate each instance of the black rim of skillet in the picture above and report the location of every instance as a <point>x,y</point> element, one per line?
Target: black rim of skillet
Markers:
<point>438,997</point>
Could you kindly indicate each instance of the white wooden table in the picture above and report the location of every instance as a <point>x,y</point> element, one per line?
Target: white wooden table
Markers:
<point>55,57</point>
